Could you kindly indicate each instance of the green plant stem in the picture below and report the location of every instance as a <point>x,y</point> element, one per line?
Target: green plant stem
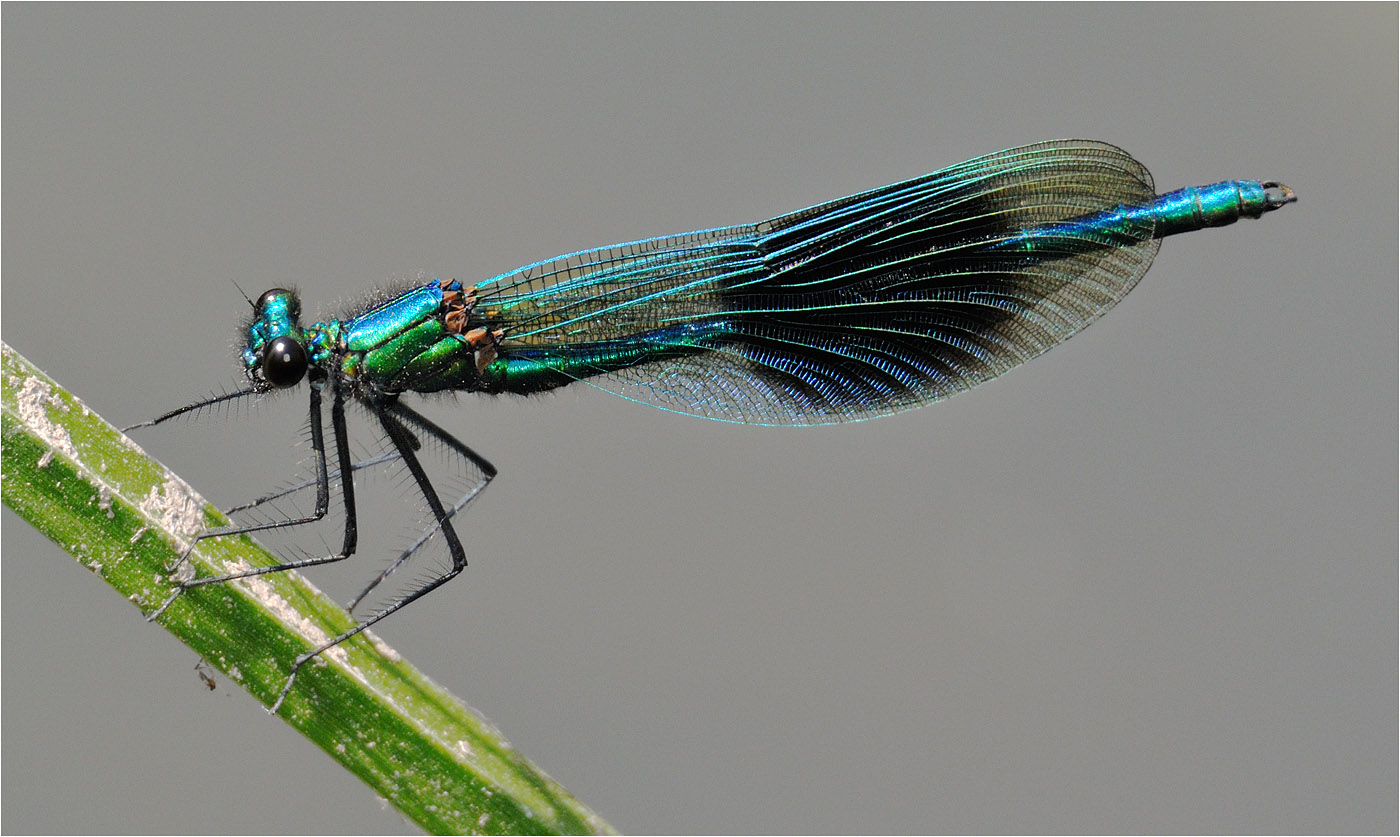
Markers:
<point>125,517</point>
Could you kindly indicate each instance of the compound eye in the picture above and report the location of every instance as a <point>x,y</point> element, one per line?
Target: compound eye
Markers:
<point>284,362</point>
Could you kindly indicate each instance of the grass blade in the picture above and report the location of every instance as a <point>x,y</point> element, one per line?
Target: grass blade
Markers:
<point>125,517</point>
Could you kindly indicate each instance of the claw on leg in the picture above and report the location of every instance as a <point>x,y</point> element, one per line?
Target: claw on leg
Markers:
<point>158,611</point>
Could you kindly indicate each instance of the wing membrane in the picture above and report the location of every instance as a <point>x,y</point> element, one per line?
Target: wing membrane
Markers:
<point>855,308</point>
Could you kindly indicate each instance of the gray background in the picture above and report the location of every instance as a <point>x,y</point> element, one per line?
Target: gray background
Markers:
<point>1146,583</point>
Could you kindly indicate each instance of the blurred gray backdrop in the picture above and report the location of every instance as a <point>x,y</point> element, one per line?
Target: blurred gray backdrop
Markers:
<point>1146,583</point>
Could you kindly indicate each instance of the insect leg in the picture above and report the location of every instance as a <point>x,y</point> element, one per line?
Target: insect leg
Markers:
<point>405,414</point>
<point>391,417</point>
<point>369,462</point>
<point>318,444</point>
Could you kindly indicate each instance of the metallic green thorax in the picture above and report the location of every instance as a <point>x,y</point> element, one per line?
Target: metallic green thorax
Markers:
<point>401,341</point>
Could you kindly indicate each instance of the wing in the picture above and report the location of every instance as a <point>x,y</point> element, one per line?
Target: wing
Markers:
<point>851,309</point>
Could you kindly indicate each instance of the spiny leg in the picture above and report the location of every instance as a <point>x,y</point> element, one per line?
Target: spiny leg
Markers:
<point>391,416</point>
<point>318,444</point>
<point>369,462</point>
<point>488,472</point>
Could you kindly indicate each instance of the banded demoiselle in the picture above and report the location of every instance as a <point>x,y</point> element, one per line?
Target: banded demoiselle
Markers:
<point>860,307</point>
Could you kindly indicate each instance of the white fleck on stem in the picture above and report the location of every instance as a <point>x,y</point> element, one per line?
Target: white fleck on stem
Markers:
<point>32,398</point>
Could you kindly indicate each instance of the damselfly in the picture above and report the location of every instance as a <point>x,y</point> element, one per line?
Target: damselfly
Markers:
<point>856,308</point>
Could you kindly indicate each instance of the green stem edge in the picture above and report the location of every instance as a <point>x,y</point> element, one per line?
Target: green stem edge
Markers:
<point>124,516</point>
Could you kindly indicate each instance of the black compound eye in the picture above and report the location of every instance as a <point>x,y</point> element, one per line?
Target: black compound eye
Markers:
<point>284,362</point>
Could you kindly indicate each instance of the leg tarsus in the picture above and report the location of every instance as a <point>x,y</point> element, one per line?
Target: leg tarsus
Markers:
<point>168,602</point>
<point>286,688</point>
